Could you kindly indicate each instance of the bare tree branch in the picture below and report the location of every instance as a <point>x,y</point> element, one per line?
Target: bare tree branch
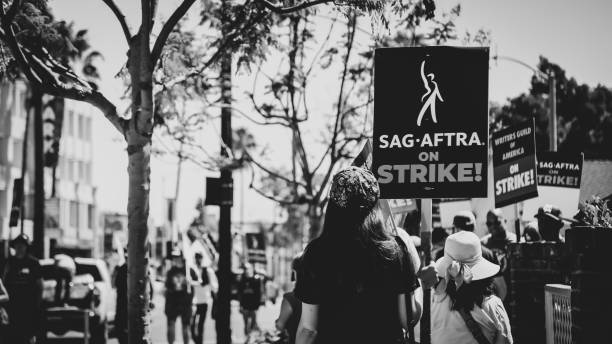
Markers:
<point>272,173</point>
<point>126,30</point>
<point>263,194</point>
<point>284,10</point>
<point>225,42</point>
<point>167,29</point>
<point>351,25</point>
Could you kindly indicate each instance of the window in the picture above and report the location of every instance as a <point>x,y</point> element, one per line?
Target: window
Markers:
<point>60,167</point>
<point>88,129</point>
<point>91,216</point>
<point>24,100</point>
<point>88,172</point>
<point>81,126</point>
<point>81,171</point>
<point>17,152</point>
<point>70,123</point>
<point>170,208</point>
<point>3,156</point>
<point>74,214</point>
<point>69,171</point>
<point>91,269</point>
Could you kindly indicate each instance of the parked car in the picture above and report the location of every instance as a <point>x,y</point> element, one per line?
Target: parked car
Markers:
<point>67,294</point>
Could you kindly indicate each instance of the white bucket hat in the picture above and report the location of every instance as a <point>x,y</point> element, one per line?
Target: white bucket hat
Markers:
<point>463,259</point>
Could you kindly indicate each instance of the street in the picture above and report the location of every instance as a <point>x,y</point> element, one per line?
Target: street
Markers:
<point>266,317</point>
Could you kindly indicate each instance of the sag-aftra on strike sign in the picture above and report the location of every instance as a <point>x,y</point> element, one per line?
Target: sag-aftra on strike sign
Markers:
<point>431,122</point>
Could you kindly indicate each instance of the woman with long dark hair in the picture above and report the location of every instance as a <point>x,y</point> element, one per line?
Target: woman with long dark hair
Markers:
<point>356,283</point>
<point>464,309</point>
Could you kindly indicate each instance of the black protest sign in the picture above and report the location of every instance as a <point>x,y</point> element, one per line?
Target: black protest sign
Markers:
<point>431,122</point>
<point>256,247</point>
<point>514,164</point>
<point>17,202</point>
<point>559,169</point>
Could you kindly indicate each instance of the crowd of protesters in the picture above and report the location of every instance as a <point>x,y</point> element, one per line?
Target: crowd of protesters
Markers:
<point>356,283</point>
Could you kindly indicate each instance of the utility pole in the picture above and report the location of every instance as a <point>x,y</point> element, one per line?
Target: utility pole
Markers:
<point>38,243</point>
<point>552,98</point>
<point>175,227</point>
<point>224,331</point>
<point>552,107</point>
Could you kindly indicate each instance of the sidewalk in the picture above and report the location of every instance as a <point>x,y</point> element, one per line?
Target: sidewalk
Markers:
<point>266,317</point>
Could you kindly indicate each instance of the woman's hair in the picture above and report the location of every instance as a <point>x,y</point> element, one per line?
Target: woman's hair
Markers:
<point>364,227</point>
<point>469,294</point>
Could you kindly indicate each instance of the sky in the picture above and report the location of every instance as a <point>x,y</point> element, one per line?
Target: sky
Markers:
<point>573,34</point>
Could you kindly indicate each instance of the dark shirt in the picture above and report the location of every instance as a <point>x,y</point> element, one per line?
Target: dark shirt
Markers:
<point>177,287</point>
<point>21,282</point>
<point>356,290</point>
<point>294,319</point>
<point>250,292</point>
<point>121,306</point>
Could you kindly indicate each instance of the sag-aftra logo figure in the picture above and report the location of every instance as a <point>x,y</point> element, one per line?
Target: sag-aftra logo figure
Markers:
<point>430,97</point>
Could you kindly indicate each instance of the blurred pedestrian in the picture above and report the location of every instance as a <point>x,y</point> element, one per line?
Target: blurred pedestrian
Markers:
<point>4,320</point>
<point>120,282</point>
<point>498,239</point>
<point>121,309</point>
<point>178,298</point>
<point>249,294</point>
<point>531,233</point>
<point>438,237</point>
<point>24,284</point>
<point>357,280</point>
<point>465,220</point>
<point>204,283</point>
<point>550,222</point>
<point>291,307</point>
<point>464,309</point>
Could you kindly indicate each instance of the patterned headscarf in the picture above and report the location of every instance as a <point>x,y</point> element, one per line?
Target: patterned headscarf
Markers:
<point>354,187</point>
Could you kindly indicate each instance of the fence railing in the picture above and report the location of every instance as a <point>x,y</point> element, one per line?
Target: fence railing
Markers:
<point>558,313</point>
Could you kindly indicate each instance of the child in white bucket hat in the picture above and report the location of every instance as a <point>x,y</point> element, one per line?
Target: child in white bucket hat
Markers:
<point>464,308</point>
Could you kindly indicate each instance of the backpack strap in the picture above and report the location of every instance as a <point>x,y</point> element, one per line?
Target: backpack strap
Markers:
<point>473,326</point>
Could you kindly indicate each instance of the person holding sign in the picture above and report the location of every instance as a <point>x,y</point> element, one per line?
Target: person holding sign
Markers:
<point>357,283</point>
<point>550,222</point>
<point>465,220</point>
<point>464,309</point>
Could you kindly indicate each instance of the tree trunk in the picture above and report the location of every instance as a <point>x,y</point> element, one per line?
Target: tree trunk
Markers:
<point>138,138</point>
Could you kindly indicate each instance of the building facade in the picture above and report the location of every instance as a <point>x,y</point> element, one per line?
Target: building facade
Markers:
<point>70,196</point>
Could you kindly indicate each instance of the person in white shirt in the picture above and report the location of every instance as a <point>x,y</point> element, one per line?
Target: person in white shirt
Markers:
<point>464,309</point>
<point>204,283</point>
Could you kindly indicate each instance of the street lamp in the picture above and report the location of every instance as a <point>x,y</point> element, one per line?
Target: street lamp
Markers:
<point>552,98</point>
